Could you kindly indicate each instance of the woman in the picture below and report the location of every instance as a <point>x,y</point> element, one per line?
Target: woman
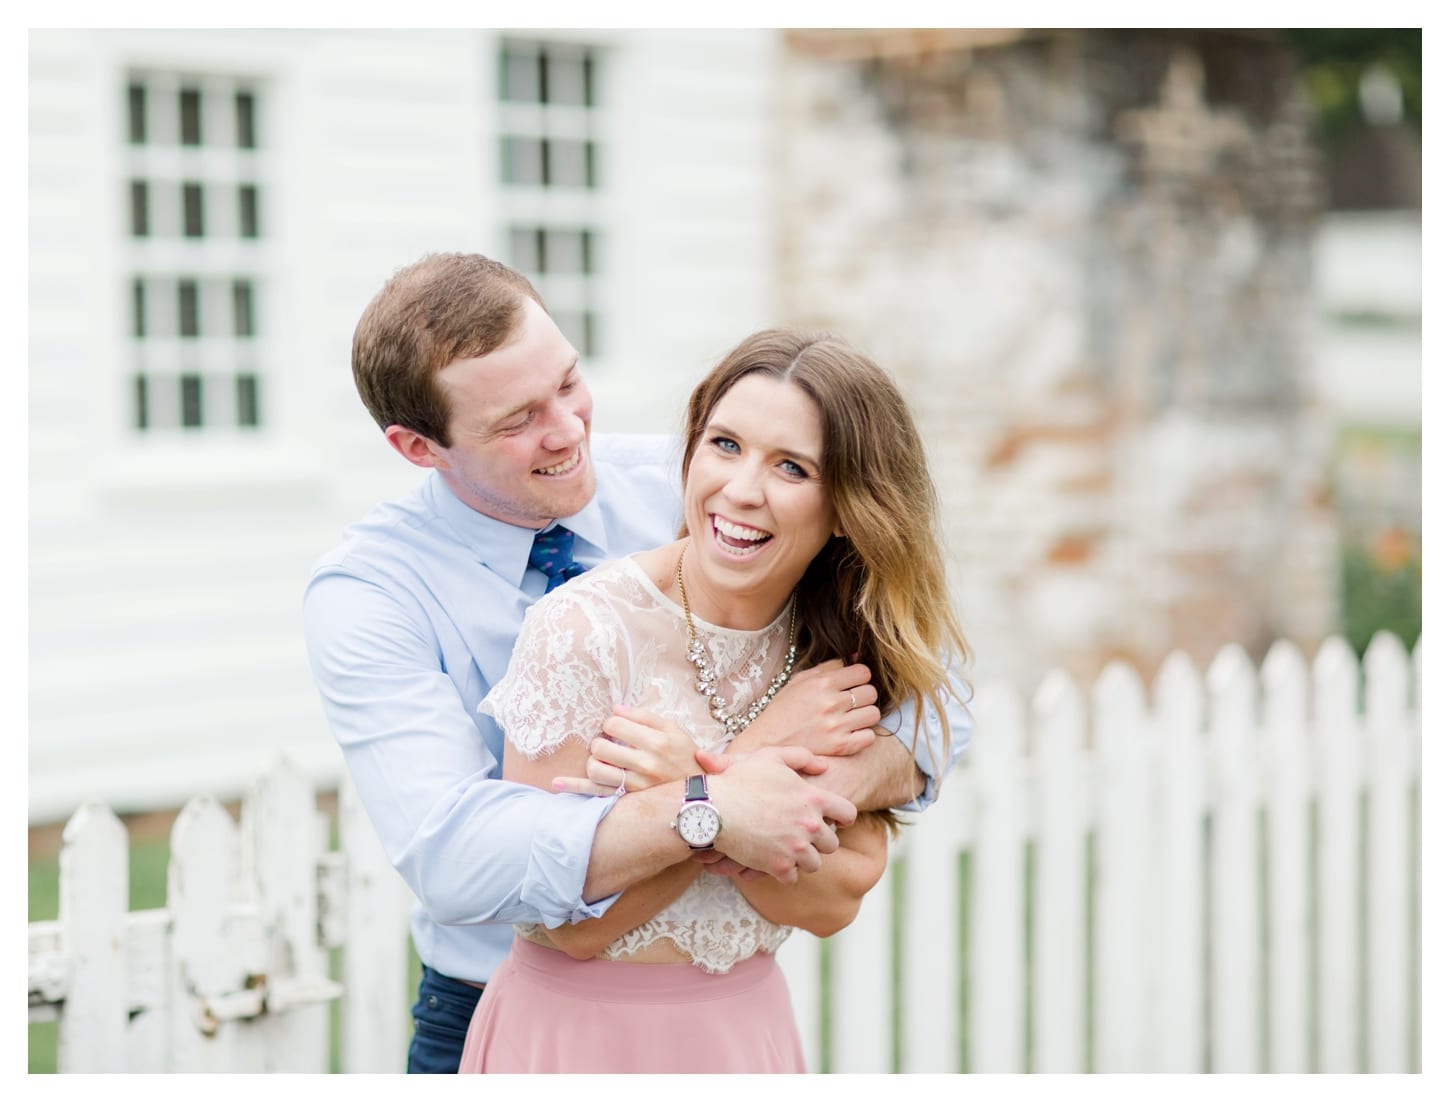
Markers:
<point>809,514</point>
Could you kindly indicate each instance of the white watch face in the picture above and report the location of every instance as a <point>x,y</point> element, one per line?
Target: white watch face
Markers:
<point>698,824</point>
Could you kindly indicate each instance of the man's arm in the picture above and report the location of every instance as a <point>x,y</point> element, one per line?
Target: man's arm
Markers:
<point>641,899</point>
<point>884,775</point>
<point>471,847</point>
<point>875,773</point>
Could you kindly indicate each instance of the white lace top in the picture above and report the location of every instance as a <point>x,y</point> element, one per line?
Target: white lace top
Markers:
<point>610,636</point>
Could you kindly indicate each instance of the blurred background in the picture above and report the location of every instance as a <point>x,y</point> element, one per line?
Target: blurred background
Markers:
<point>1154,296</point>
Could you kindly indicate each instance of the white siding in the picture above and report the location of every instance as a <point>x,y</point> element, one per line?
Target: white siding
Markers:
<point>165,577</point>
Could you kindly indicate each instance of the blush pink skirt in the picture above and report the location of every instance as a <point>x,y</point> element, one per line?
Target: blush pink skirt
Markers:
<point>543,1011</point>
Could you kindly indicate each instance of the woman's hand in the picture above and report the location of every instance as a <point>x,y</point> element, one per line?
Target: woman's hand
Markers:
<point>637,750</point>
<point>830,709</point>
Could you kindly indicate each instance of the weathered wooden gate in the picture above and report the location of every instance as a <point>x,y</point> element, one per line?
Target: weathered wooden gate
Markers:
<point>233,973</point>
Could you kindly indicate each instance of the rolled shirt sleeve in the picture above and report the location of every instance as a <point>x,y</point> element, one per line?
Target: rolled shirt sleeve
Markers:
<point>927,749</point>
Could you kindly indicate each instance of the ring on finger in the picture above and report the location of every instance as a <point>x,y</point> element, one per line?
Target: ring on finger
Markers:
<point>623,776</point>
<point>852,694</point>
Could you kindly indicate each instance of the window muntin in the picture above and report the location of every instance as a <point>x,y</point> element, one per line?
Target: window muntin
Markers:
<point>196,223</point>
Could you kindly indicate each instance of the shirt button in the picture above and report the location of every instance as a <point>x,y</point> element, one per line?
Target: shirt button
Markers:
<point>432,1002</point>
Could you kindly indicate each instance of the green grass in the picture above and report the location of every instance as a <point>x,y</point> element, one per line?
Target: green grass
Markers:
<point>148,880</point>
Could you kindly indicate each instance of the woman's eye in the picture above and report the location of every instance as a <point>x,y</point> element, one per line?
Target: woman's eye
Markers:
<point>795,470</point>
<point>725,444</point>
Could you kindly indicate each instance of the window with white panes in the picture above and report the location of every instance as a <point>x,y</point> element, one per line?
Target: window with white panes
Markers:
<point>196,252</point>
<point>552,177</point>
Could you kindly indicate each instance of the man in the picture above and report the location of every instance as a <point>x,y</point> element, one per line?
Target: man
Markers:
<point>413,616</point>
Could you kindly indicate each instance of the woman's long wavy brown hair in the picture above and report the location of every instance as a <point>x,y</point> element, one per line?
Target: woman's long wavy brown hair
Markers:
<point>877,595</point>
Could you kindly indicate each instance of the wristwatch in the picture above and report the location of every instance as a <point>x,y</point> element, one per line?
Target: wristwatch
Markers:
<point>698,823</point>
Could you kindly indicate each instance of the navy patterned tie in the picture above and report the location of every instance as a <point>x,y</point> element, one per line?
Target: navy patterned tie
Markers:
<point>553,553</point>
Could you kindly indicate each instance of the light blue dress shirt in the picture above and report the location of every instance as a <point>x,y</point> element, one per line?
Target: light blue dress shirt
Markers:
<point>410,621</point>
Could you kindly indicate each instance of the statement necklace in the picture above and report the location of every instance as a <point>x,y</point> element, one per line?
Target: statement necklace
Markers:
<point>705,683</point>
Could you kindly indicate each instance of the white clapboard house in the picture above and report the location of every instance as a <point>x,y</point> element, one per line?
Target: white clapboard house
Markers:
<point>209,213</point>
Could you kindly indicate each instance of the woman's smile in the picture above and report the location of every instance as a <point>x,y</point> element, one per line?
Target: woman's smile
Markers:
<point>738,539</point>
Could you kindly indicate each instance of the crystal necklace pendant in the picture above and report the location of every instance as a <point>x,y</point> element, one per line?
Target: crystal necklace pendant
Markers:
<point>706,682</point>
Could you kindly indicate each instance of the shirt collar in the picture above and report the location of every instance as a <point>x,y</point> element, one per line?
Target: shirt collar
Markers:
<point>504,548</point>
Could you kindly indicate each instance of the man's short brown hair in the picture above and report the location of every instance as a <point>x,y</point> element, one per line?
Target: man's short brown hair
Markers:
<point>445,307</point>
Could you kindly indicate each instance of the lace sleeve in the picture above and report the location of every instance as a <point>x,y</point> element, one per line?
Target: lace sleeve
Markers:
<point>566,673</point>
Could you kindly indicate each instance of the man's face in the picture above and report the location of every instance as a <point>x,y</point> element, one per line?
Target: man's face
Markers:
<point>519,423</point>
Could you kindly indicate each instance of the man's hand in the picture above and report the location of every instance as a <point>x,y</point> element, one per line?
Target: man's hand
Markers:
<point>773,818</point>
<point>881,776</point>
<point>829,709</point>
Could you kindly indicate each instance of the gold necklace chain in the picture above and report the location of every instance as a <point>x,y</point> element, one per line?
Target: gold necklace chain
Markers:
<point>706,681</point>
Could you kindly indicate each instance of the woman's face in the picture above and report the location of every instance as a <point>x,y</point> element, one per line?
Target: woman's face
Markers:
<point>757,509</point>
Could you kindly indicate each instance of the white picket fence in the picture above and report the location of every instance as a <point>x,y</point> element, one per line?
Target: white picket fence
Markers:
<point>1219,876</point>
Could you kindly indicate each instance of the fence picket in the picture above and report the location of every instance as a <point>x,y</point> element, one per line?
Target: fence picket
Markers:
<point>861,989</point>
<point>212,956</point>
<point>1234,1014</point>
<point>94,892</point>
<point>800,959</point>
<point>1286,685</point>
<point>148,945</point>
<point>996,997</point>
<point>279,835</point>
<point>1178,989</point>
<point>1388,888</point>
<point>1059,891</point>
<point>930,943</point>
<point>1124,833</point>
<point>375,1021</point>
<point>1339,768</point>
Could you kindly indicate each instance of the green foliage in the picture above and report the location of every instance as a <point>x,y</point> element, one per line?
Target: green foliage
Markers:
<point>1333,59</point>
<point>1379,597</point>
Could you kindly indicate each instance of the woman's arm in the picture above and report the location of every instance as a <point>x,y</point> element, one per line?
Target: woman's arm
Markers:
<point>828,900</point>
<point>639,904</point>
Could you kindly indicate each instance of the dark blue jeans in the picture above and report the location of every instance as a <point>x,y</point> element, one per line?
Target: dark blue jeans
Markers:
<point>440,1022</point>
